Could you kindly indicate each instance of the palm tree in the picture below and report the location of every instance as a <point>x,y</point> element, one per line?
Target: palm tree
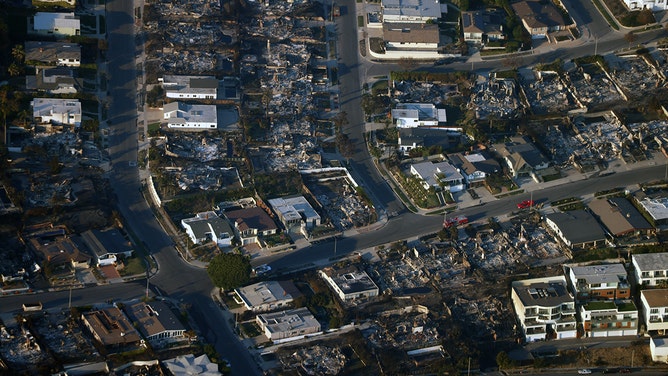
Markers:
<point>18,53</point>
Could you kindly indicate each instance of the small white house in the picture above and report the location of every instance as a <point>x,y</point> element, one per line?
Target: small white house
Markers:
<point>658,347</point>
<point>58,24</point>
<point>56,111</point>
<point>410,115</point>
<point>440,176</point>
<point>190,116</point>
<point>208,226</point>
<point>653,5</point>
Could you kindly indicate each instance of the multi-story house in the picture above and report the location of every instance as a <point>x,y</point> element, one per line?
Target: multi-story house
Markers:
<point>655,309</point>
<point>596,282</point>
<point>609,318</point>
<point>349,284</point>
<point>250,223</point>
<point>651,269</point>
<point>544,308</point>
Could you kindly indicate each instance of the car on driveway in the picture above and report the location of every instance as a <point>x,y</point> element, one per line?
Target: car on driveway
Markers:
<point>584,372</point>
<point>525,204</point>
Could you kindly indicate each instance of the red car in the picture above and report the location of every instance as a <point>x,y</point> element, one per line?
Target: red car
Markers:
<point>525,204</point>
<point>455,221</point>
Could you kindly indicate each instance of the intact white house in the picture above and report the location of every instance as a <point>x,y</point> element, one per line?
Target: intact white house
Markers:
<point>288,324</point>
<point>190,116</point>
<point>57,24</point>
<point>194,87</point>
<point>653,5</point>
<point>208,226</point>
<point>266,295</point>
<point>651,269</point>
<point>441,175</point>
<point>295,213</point>
<point>410,115</point>
<point>656,207</point>
<point>349,284</point>
<point>413,11</point>
<point>655,309</point>
<point>658,347</point>
<point>544,308</point>
<point>56,111</point>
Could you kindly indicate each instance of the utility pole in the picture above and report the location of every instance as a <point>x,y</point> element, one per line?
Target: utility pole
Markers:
<point>468,372</point>
<point>69,302</point>
<point>596,47</point>
<point>633,353</point>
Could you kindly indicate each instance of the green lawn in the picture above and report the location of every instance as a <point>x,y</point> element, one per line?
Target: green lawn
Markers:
<point>134,265</point>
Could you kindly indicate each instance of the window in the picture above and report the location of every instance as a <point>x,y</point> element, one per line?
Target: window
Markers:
<point>654,310</point>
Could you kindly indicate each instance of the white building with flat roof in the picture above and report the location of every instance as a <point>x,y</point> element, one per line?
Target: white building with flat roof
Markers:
<point>193,87</point>
<point>655,309</point>
<point>657,208</point>
<point>295,212</point>
<point>651,269</point>
<point>417,11</point>
<point>288,324</point>
<point>53,23</point>
<point>411,115</point>
<point>181,115</point>
<point>653,5</point>
<point>544,308</point>
<point>56,111</point>
<point>350,284</point>
<point>266,295</point>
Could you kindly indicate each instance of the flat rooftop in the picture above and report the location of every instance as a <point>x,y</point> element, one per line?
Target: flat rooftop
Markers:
<point>651,261</point>
<point>267,292</point>
<point>543,292</point>
<point>656,297</point>
<point>600,273</point>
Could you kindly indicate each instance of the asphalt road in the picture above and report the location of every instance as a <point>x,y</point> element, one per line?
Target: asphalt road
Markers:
<point>410,225</point>
<point>351,74</point>
<point>177,279</point>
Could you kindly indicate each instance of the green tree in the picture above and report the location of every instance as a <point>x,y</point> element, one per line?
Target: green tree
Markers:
<point>504,361</point>
<point>229,270</point>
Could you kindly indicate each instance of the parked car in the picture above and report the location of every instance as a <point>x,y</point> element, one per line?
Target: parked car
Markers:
<point>610,370</point>
<point>624,370</point>
<point>525,204</point>
<point>584,372</point>
<point>262,269</point>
